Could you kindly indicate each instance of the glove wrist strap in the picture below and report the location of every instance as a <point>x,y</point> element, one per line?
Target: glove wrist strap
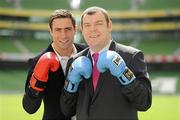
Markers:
<point>37,84</point>
<point>127,77</point>
<point>71,87</point>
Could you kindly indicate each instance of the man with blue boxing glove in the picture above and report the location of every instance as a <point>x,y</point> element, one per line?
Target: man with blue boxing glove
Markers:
<point>111,82</point>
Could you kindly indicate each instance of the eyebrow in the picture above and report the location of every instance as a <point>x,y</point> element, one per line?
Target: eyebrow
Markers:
<point>64,28</point>
<point>95,22</point>
<point>99,21</point>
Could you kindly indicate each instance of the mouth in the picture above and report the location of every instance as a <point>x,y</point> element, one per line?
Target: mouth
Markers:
<point>94,36</point>
<point>65,41</point>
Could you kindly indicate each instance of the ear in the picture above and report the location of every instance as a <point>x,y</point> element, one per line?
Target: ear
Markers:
<point>110,25</point>
<point>81,28</point>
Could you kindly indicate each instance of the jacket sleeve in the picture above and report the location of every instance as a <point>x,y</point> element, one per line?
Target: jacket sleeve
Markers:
<point>31,99</point>
<point>68,100</point>
<point>68,103</point>
<point>139,92</point>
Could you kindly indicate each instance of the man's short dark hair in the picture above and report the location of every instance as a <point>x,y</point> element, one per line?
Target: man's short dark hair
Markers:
<point>61,13</point>
<point>93,10</point>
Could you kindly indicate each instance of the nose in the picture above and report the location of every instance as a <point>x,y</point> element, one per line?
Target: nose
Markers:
<point>93,27</point>
<point>63,34</point>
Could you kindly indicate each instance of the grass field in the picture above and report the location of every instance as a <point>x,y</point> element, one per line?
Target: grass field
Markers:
<point>14,80</point>
<point>11,108</point>
<point>163,108</point>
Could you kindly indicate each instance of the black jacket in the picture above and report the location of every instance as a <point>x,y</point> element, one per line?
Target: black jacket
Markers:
<point>111,100</point>
<point>51,95</point>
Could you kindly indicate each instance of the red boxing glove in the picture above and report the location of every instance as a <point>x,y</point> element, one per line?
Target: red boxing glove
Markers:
<point>47,62</point>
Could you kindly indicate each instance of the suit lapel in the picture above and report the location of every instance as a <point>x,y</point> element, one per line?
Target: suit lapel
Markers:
<point>99,85</point>
<point>112,46</point>
<point>102,76</point>
<point>90,84</point>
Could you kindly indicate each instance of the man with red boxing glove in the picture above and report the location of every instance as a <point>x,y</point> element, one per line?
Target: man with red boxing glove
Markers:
<point>46,78</point>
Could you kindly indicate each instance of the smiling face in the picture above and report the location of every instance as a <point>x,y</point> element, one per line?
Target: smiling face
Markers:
<point>62,32</point>
<point>96,30</point>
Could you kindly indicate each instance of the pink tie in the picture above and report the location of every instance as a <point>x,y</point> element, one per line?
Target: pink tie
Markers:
<point>96,72</point>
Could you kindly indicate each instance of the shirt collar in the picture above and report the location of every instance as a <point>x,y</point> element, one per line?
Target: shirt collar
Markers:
<point>73,53</point>
<point>105,48</point>
<point>64,59</point>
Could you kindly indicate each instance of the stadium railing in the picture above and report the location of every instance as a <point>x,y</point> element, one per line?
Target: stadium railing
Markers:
<point>157,26</point>
<point>154,62</point>
<point>117,26</point>
<point>113,14</point>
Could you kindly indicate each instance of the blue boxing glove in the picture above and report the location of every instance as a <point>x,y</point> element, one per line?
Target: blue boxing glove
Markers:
<point>116,65</point>
<point>81,67</point>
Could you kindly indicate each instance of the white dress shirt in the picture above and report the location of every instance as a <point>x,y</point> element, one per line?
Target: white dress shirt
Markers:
<point>64,59</point>
<point>105,48</point>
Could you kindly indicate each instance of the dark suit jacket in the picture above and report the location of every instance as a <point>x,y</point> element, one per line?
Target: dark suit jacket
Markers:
<point>51,95</point>
<point>111,100</point>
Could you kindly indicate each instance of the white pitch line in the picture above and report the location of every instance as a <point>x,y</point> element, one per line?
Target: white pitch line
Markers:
<point>21,47</point>
<point>177,51</point>
<point>135,43</point>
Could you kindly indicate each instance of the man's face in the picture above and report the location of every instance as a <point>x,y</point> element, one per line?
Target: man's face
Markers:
<point>62,33</point>
<point>96,31</point>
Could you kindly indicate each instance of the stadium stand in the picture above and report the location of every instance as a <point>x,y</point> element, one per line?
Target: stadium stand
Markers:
<point>135,26</point>
<point>147,23</point>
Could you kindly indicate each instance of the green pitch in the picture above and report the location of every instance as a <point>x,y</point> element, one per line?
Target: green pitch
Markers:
<point>163,108</point>
<point>12,82</point>
<point>11,108</point>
